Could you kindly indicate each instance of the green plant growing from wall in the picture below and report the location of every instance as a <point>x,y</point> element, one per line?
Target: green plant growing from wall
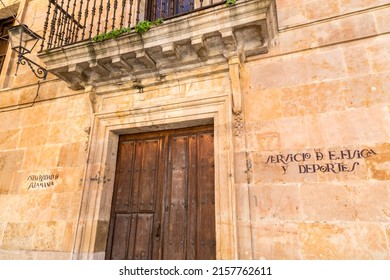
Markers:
<point>145,25</point>
<point>141,28</point>
<point>230,2</point>
<point>110,35</point>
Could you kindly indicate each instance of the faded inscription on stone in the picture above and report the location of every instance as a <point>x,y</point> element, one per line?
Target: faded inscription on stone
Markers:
<point>41,181</point>
<point>331,161</point>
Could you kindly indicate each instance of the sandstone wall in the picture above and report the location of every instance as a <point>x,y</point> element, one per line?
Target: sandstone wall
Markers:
<point>43,151</point>
<point>323,88</point>
<point>308,158</point>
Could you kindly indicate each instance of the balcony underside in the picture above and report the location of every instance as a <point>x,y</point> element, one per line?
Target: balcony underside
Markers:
<point>201,38</point>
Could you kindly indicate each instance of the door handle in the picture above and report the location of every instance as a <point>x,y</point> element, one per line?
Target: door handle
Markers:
<point>157,227</point>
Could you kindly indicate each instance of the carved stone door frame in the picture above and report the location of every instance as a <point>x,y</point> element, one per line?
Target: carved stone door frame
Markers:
<point>92,227</point>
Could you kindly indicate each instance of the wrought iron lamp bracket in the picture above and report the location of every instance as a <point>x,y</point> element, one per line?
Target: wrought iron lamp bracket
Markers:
<point>38,70</point>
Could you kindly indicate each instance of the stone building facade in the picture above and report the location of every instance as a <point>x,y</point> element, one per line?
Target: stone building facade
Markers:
<point>298,97</point>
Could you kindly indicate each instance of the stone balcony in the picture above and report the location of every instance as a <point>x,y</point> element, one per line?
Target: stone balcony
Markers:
<point>205,37</point>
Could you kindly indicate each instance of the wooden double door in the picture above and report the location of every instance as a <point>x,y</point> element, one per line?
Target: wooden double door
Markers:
<point>163,202</point>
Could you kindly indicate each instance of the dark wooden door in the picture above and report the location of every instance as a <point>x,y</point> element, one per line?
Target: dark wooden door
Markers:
<point>163,203</point>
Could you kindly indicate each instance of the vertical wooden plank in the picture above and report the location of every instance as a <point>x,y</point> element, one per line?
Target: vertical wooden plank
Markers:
<point>192,199</point>
<point>124,174</point>
<point>143,243</point>
<point>132,237</point>
<point>148,180</point>
<point>158,223</point>
<point>174,243</point>
<point>121,233</point>
<point>206,210</point>
<point>138,161</point>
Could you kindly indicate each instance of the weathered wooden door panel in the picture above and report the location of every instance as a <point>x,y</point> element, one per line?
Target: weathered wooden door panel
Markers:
<point>163,204</point>
<point>206,209</point>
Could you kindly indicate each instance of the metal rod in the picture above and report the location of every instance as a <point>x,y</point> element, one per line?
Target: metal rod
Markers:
<point>46,25</point>
<point>130,12</point>
<point>86,14</point>
<point>52,40</point>
<point>92,18</point>
<point>66,13</point>
<point>61,21</point>
<point>67,28</point>
<point>123,13</point>
<point>71,28</point>
<point>79,15</point>
<point>114,14</point>
<point>100,16</point>
<point>107,15</point>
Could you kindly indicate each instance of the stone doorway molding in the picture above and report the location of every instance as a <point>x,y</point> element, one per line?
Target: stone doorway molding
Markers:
<point>92,226</point>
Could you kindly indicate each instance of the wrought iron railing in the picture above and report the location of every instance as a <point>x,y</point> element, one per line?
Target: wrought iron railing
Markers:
<point>71,21</point>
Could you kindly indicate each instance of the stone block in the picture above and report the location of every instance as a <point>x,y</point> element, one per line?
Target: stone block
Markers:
<point>368,90</point>
<point>9,139</point>
<point>346,29</point>
<point>244,240</point>
<point>61,206</point>
<point>11,160</point>
<point>242,202</point>
<point>260,105</point>
<point>276,241</point>
<point>10,120</point>
<point>48,156</point>
<point>356,60</point>
<point>240,168</point>
<point>290,14</point>
<point>49,235</point>
<point>9,98</point>
<point>74,207</point>
<point>378,51</point>
<point>382,20</point>
<point>337,129</point>
<point>31,158</point>
<point>378,166</point>
<point>357,5</point>
<point>74,107</point>
<point>296,40</point>
<point>32,136</point>
<point>274,202</point>
<point>69,236</point>
<point>48,255</point>
<point>33,116</point>
<point>17,255</point>
<point>72,179</point>
<point>317,9</point>
<point>292,70</point>
<point>72,155</point>
<point>19,236</point>
<point>348,201</point>
<point>293,133</point>
<point>36,206</point>
<point>8,208</point>
<point>73,130</point>
<point>6,179</point>
<point>347,241</point>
